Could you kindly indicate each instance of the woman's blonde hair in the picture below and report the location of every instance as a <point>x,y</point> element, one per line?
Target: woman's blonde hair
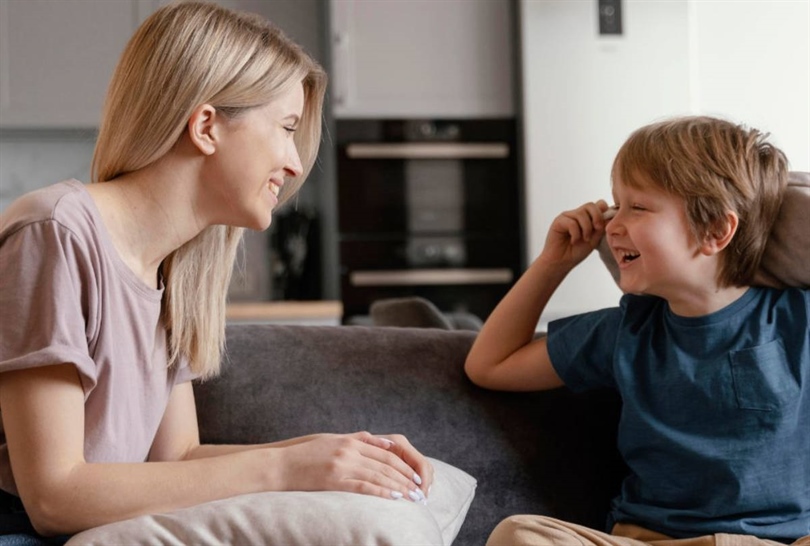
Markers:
<point>184,55</point>
<point>716,166</point>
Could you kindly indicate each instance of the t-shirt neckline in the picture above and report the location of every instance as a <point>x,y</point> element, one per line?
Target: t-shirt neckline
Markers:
<point>109,248</point>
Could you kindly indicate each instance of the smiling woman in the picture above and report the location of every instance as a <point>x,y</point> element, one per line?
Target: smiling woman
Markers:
<point>118,289</point>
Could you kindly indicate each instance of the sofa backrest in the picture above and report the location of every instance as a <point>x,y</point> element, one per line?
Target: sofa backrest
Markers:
<point>545,453</point>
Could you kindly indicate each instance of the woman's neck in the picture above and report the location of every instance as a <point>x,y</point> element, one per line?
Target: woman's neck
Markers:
<point>149,214</point>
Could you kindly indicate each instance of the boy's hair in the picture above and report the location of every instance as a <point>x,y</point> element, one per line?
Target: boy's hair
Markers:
<point>716,167</point>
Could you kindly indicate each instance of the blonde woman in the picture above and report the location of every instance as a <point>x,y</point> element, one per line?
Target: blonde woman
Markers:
<point>113,293</point>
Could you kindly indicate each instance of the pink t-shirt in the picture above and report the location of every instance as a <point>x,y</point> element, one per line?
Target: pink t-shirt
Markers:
<point>66,296</point>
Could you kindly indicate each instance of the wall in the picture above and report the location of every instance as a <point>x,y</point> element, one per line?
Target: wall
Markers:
<point>33,159</point>
<point>584,93</point>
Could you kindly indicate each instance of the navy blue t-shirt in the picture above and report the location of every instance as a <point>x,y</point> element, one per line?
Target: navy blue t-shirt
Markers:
<point>715,423</point>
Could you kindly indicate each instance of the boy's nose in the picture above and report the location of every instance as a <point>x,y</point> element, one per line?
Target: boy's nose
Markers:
<point>614,223</point>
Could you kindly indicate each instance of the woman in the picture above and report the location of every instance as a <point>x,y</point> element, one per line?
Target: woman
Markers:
<point>114,293</point>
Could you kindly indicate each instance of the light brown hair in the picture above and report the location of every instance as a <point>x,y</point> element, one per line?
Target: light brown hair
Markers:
<point>183,55</point>
<point>716,166</point>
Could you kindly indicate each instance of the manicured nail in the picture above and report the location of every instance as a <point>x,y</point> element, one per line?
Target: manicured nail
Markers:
<point>414,496</point>
<point>417,479</point>
<point>396,495</point>
<point>430,489</point>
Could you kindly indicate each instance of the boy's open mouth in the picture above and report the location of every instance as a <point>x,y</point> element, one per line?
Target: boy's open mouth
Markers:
<point>627,256</point>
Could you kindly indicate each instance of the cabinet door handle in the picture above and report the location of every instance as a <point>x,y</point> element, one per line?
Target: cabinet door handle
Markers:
<point>429,150</point>
<point>412,277</point>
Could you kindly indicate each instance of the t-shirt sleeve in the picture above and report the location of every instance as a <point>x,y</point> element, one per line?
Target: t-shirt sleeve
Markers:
<point>184,373</point>
<point>48,297</point>
<point>581,348</point>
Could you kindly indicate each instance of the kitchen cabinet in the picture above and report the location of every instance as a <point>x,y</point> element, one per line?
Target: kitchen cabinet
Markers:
<point>422,58</point>
<point>57,57</point>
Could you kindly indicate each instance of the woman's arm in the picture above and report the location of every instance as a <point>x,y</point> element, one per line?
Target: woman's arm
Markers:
<point>178,439</point>
<point>43,419</point>
<point>506,355</point>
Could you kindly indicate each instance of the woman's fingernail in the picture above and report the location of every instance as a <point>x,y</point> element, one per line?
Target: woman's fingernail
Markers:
<point>417,479</point>
<point>388,443</point>
<point>414,496</point>
<point>421,494</point>
<point>396,495</point>
<point>430,489</point>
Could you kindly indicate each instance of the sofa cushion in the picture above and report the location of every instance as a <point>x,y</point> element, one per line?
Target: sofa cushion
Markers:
<point>786,261</point>
<point>304,518</point>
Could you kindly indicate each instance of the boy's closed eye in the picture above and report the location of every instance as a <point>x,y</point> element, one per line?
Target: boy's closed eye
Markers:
<point>634,206</point>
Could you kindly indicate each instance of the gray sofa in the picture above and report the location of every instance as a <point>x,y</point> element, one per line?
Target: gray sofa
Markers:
<point>544,453</point>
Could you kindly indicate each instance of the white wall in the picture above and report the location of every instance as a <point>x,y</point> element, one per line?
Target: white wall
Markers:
<point>748,61</point>
<point>752,63</point>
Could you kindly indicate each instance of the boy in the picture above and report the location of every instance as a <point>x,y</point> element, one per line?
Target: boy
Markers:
<point>714,374</point>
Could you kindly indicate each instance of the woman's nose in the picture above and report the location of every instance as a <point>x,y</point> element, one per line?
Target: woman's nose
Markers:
<point>293,166</point>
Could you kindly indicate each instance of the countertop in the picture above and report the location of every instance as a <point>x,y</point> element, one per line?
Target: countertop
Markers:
<point>325,312</point>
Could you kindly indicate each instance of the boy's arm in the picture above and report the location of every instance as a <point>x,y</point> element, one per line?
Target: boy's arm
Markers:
<point>506,355</point>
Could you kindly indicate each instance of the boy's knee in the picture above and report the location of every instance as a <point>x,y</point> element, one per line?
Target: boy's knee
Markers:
<point>524,530</point>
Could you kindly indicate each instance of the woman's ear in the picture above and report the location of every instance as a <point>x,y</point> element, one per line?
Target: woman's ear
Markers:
<point>721,234</point>
<point>201,128</point>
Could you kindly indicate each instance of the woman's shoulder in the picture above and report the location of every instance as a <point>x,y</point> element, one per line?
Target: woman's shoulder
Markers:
<point>64,202</point>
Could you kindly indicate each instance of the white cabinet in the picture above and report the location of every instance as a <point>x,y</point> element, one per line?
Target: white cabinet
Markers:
<point>57,58</point>
<point>422,58</point>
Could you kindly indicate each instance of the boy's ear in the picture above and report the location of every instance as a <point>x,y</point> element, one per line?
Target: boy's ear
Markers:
<point>202,130</point>
<point>721,234</point>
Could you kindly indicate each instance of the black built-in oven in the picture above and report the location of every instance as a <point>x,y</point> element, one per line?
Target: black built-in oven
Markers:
<point>428,208</point>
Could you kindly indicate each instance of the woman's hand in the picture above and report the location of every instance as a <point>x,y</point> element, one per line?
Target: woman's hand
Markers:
<point>574,234</point>
<point>385,466</point>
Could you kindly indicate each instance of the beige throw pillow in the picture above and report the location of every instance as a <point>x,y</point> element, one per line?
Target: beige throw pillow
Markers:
<point>304,518</point>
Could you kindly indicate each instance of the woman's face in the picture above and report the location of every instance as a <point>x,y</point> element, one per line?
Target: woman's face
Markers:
<point>255,155</point>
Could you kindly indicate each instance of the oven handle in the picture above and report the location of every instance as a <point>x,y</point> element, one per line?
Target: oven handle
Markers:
<point>413,277</point>
<point>429,150</point>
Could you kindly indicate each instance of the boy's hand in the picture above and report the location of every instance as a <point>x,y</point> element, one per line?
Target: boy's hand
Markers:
<point>574,234</point>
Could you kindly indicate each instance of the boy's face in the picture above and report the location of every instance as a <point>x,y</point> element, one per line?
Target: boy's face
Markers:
<point>653,245</point>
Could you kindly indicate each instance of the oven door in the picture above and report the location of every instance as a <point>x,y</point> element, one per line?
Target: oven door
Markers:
<point>434,218</point>
<point>423,189</point>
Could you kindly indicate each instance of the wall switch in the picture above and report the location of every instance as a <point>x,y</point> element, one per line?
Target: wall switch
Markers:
<point>610,16</point>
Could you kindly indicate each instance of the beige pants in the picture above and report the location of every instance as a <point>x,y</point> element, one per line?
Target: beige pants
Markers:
<point>527,530</point>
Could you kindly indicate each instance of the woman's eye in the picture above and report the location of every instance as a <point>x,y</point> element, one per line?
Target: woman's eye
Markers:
<point>638,207</point>
<point>290,129</point>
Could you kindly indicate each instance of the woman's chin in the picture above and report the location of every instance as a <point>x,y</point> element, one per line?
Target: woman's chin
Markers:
<point>256,223</point>
<point>260,225</point>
